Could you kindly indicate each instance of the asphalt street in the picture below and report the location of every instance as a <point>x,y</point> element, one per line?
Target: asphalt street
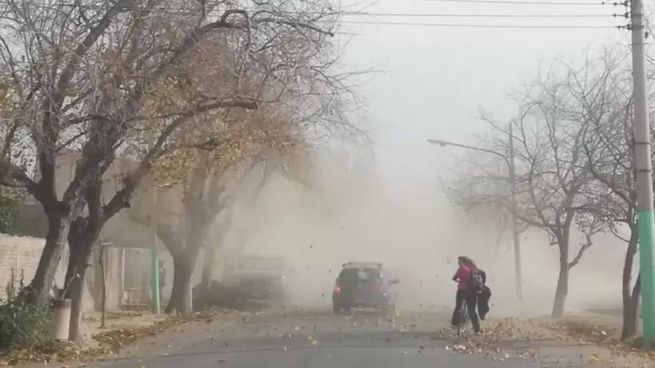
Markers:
<point>290,339</point>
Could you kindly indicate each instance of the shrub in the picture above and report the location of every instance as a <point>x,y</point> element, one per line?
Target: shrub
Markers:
<point>9,211</point>
<point>22,324</point>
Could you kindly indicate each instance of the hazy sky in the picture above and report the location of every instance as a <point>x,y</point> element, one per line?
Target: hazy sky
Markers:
<point>436,80</point>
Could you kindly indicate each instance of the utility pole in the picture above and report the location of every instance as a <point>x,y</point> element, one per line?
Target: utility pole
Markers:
<point>518,274</point>
<point>643,165</point>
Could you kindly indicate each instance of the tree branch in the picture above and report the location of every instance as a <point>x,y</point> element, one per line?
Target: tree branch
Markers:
<point>76,57</point>
<point>579,255</point>
<point>12,176</point>
<point>121,199</point>
<point>165,232</point>
<point>238,102</point>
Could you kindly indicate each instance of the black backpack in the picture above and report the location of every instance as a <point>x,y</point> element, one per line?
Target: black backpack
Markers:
<point>476,283</point>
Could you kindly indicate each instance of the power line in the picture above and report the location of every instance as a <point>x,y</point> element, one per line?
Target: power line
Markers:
<point>184,10</point>
<point>180,10</point>
<point>335,12</point>
<point>433,15</point>
<point>521,2</point>
<point>459,25</point>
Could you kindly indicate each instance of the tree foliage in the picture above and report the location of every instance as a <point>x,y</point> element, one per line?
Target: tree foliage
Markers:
<point>96,76</point>
<point>22,324</point>
<point>10,202</point>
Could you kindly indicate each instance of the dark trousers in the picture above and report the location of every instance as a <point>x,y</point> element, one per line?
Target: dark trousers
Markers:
<point>471,301</point>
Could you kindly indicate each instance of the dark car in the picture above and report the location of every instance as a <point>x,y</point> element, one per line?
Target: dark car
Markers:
<point>362,285</point>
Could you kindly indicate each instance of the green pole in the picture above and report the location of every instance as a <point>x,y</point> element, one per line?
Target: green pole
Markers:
<point>643,169</point>
<point>154,284</point>
<point>647,261</point>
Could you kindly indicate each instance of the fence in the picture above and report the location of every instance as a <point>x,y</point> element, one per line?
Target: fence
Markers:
<point>136,277</point>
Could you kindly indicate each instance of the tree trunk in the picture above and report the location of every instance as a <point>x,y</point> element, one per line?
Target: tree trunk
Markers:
<point>75,274</point>
<point>211,249</point>
<point>176,250</point>
<point>180,302</point>
<point>184,263</point>
<point>630,300</point>
<point>630,312</point>
<point>172,301</point>
<point>561,292</point>
<point>74,292</point>
<point>562,289</point>
<point>104,286</point>
<point>44,278</point>
<point>203,296</point>
<point>82,241</point>
<point>208,267</point>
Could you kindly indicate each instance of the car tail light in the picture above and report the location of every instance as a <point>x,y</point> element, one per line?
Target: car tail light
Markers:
<point>337,289</point>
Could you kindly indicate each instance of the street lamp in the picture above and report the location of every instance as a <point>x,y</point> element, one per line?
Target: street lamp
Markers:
<point>472,148</point>
<point>512,178</point>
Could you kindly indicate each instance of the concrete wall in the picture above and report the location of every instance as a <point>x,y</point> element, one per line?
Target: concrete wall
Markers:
<point>123,237</point>
<point>21,254</point>
<point>120,230</point>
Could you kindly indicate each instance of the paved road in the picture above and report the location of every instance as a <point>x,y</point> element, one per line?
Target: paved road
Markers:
<point>310,340</point>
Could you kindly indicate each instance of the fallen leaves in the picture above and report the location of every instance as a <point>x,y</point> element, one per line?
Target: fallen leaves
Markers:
<point>51,352</point>
<point>110,342</point>
<point>116,339</point>
<point>498,341</point>
<point>515,338</point>
<point>587,333</point>
<point>594,358</point>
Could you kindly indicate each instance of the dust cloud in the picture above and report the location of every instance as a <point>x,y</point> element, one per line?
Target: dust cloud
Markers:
<point>356,215</point>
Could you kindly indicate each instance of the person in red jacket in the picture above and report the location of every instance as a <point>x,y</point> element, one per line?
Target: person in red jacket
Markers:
<point>463,278</point>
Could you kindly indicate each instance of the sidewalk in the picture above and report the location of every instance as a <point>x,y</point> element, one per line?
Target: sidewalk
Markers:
<point>572,340</point>
<point>123,329</point>
<point>119,320</point>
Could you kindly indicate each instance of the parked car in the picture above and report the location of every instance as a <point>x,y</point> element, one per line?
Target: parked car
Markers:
<point>362,285</point>
<point>259,278</point>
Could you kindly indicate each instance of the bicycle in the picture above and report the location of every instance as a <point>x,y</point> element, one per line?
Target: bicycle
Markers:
<point>462,317</point>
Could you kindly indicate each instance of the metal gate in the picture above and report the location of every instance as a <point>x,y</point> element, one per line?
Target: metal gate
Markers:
<point>136,277</point>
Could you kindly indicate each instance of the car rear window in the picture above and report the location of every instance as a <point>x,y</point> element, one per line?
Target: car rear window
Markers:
<point>358,274</point>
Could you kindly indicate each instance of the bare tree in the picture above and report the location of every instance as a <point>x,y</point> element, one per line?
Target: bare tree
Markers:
<point>90,75</point>
<point>556,177</point>
<point>553,180</point>
<point>608,147</point>
<point>209,180</point>
<point>603,90</point>
<point>202,202</point>
<point>297,103</point>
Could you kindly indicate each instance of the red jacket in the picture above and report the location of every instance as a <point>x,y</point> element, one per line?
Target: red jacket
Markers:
<point>462,276</point>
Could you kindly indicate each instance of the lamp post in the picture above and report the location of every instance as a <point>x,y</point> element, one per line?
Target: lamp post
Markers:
<point>512,178</point>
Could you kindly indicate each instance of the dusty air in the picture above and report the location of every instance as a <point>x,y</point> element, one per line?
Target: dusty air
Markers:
<point>326,183</point>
